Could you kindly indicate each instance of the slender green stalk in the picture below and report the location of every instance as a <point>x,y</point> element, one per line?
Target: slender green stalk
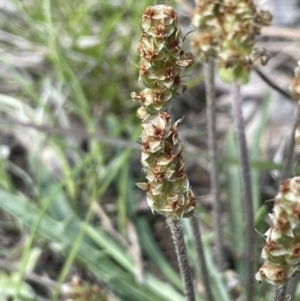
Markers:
<point>212,152</point>
<point>201,257</point>
<point>185,271</point>
<point>241,138</point>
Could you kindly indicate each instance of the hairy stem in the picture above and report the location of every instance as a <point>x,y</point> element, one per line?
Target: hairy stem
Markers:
<point>212,152</point>
<point>280,293</point>
<point>178,239</point>
<point>243,152</point>
<point>200,256</point>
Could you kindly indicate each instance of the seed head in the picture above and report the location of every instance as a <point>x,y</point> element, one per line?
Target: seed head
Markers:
<point>282,249</point>
<point>226,31</point>
<point>162,59</point>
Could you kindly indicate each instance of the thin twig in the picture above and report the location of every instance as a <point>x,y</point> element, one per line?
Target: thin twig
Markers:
<point>271,83</point>
<point>243,152</point>
<point>201,258</point>
<point>212,152</point>
<point>185,271</point>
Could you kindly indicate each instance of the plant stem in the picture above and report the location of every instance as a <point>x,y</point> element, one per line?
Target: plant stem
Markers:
<point>269,81</point>
<point>185,271</point>
<point>212,152</point>
<point>291,287</point>
<point>280,293</point>
<point>288,157</point>
<point>201,259</point>
<point>243,152</point>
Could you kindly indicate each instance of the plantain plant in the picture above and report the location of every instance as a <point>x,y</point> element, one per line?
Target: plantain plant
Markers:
<point>78,197</point>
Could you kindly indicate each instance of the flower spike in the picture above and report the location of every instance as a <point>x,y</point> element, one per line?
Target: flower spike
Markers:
<point>162,59</point>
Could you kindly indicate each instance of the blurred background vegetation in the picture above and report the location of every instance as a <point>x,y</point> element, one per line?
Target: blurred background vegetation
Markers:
<point>73,225</point>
